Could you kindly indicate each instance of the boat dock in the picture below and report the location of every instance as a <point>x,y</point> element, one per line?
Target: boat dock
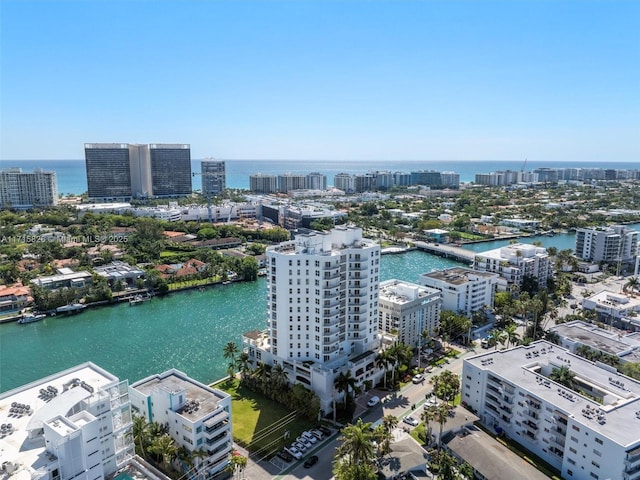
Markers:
<point>447,251</point>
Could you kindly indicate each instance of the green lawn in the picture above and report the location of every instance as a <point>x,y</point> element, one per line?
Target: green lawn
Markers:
<point>259,424</point>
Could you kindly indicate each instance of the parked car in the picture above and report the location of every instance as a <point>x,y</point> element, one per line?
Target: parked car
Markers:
<point>431,402</point>
<point>318,433</point>
<point>411,421</point>
<point>302,440</point>
<point>311,461</point>
<point>373,401</point>
<point>299,446</point>
<point>284,455</point>
<point>326,430</point>
<point>418,378</point>
<point>297,454</point>
<point>309,436</point>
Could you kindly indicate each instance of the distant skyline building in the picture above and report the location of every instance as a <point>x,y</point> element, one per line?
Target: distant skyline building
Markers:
<point>214,179</point>
<point>288,182</point>
<point>316,181</point>
<point>345,182</point>
<point>263,183</point>
<point>23,190</point>
<point>170,170</point>
<point>121,171</point>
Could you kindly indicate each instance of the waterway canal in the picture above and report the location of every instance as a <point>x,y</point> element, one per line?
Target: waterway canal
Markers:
<point>186,330</point>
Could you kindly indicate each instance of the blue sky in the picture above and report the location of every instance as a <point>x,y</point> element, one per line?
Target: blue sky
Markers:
<point>357,80</point>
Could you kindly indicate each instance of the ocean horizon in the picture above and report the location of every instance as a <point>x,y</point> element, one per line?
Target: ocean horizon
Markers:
<point>72,177</point>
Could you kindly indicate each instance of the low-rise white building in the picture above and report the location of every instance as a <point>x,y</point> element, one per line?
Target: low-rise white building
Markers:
<point>462,289</point>
<point>590,435</point>
<point>408,310</point>
<point>613,307</point>
<point>75,424</point>
<point>515,262</point>
<point>195,415</point>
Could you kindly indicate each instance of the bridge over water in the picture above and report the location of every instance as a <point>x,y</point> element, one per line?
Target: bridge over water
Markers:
<point>447,251</point>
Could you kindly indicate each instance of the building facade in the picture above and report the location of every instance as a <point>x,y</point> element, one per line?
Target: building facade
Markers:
<point>75,424</point>
<point>607,244</point>
<point>345,182</point>
<point>316,181</point>
<point>408,310</point>
<point>197,417</point>
<point>514,263</point>
<point>590,435</point>
<point>214,178</point>
<point>170,170</point>
<point>24,190</point>
<point>463,290</point>
<point>322,309</point>
<point>263,183</point>
<point>121,171</point>
<point>288,182</point>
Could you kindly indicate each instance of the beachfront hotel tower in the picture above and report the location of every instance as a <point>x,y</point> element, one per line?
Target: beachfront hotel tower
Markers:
<point>214,179</point>
<point>121,171</point>
<point>322,310</point>
<point>20,189</point>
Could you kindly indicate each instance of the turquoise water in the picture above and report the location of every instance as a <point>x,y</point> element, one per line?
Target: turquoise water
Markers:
<point>185,330</point>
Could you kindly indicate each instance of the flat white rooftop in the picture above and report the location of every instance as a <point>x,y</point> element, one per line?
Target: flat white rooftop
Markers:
<point>528,367</point>
<point>26,407</point>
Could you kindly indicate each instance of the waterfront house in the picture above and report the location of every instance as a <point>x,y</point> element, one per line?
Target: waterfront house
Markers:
<point>14,298</point>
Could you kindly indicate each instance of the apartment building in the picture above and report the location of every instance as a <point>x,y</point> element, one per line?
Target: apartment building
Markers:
<point>514,263</point>
<point>75,424</point>
<point>462,290</point>
<point>345,182</point>
<point>588,431</point>
<point>607,244</point>
<point>23,190</point>
<point>121,171</point>
<point>316,181</point>
<point>408,310</point>
<point>322,310</point>
<point>214,178</point>
<point>195,415</point>
<point>263,183</point>
<point>288,182</point>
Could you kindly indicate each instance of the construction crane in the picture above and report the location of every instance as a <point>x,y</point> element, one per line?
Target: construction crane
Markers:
<point>523,166</point>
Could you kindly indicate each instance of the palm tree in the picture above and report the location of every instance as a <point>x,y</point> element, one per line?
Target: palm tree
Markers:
<point>357,445</point>
<point>345,383</point>
<point>562,375</point>
<point>390,422</point>
<point>230,352</point>
<point>511,334</point>
<point>140,434</point>
<point>279,376</point>
<point>243,365</point>
<point>441,416</point>
<point>632,284</point>
<point>261,374</point>
<point>165,447</point>
<point>383,360</point>
<point>427,416</point>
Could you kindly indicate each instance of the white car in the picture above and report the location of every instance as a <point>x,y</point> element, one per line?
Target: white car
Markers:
<point>309,436</point>
<point>418,378</point>
<point>373,401</point>
<point>304,441</point>
<point>297,454</point>
<point>299,446</point>
<point>318,434</point>
<point>411,421</point>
